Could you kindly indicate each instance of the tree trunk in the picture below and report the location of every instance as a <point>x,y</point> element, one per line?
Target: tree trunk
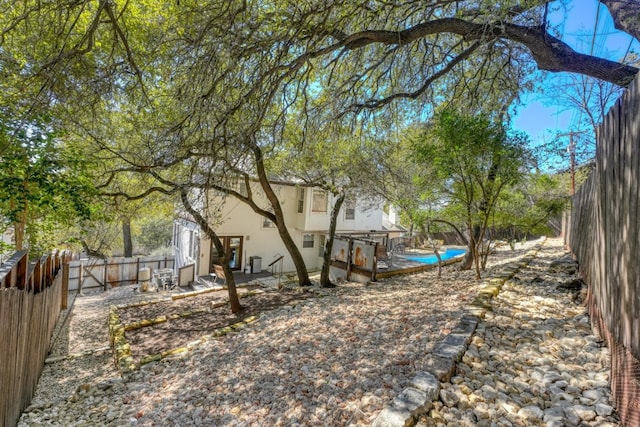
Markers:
<point>127,240</point>
<point>471,257</point>
<point>19,225</point>
<point>325,279</point>
<point>437,252</point>
<point>296,256</point>
<point>292,248</point>
<point>234,301</point>
<point>625,15</point>
<point>95,253</point>
<point>467,261</point>
<point>18,234</point>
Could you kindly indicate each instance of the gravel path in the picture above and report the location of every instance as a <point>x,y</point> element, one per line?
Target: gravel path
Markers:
<point>533,361</point>
<point>330,361</point>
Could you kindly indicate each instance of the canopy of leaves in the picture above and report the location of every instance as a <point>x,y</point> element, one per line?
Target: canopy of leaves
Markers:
<point>44,183</point>
<point>473,157</point>
<point>526,208</point>
<point>199,93</point>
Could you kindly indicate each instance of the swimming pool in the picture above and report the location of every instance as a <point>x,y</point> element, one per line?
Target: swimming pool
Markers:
<point>432,259</point>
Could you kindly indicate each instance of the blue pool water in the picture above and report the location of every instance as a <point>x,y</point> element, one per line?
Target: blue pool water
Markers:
<point>432,259</point>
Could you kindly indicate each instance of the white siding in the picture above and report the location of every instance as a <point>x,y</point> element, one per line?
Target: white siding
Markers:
<point>238,219</point>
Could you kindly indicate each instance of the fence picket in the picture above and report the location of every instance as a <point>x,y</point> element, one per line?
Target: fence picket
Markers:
<point>30,303</point>
<point>119,272</point>
<point>605,239</point>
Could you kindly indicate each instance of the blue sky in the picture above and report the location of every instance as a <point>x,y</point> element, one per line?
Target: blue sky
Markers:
<point>539,117</point>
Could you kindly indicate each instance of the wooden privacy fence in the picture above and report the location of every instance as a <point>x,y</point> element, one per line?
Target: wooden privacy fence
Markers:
<point>30,301</point>
<point>98,273</point>
<point>604,236</point>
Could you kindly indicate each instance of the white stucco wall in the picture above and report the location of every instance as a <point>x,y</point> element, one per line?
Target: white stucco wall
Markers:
<point>235,218</point>
<point>238,219</point>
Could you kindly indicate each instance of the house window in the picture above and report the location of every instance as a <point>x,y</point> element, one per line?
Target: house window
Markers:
<point>319,203</point>
<point>238,184</point>
<point>300,200</point>
<point>176,234</point>
<point>350,209</point>
<point>307,240</point>
<point>267,223</point>
<point>321,244</point>
<point>191,249</point>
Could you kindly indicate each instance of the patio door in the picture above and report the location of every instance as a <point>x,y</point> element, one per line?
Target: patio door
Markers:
<point>233,248</point>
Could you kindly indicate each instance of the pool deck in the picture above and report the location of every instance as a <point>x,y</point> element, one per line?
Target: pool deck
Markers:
<point>401,265</point>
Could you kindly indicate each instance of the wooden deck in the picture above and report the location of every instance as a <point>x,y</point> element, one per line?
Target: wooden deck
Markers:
<point>239,277</point>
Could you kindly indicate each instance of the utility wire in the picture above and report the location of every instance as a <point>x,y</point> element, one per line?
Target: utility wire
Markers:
<point>595,27</point>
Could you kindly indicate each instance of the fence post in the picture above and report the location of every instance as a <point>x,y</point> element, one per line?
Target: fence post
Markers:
<point>21,272</point>
<point>37,277</point>
<point>65,286</point>
<point>349,258</point>
<point>80,276</point>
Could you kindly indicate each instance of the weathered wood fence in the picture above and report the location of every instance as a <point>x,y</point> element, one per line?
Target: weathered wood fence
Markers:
<point>604,235</point>
<point>31,298</point>
<point>105,274</point>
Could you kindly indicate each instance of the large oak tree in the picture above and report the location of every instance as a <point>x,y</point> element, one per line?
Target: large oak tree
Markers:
<point>394,49</point>
<point>196,78</point>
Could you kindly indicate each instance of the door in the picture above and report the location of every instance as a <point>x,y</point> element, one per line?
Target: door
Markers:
<point>232,248</point>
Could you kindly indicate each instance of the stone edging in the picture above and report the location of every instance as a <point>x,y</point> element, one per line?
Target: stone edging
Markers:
<point>122,349</point>
<point>418,397</point>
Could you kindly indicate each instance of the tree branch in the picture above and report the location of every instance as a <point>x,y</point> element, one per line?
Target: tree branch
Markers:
<point>626,15</point>
<point>374,103</point>
<point>550,53</point>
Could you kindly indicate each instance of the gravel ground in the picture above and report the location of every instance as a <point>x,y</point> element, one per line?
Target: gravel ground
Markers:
<point>534,360</point>
<point>335,360</point>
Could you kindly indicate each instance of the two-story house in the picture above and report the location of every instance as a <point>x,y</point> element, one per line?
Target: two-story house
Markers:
<point>246,234</point>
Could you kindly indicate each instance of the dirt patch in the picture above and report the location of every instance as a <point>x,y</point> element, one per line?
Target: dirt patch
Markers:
<point>189,319</point>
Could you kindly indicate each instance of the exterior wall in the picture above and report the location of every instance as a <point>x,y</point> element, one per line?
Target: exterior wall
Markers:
<point>237,219</point>
<point>259,239</point>
<point>366,218</point>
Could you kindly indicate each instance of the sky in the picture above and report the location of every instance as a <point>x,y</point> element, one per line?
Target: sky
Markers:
<point>539,118</point>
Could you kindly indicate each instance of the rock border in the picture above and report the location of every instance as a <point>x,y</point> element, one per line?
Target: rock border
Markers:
<point>122,349</point>
<point>418,397</point>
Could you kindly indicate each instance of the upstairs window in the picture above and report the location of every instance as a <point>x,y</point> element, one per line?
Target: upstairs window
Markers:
<point>319,203</point>
<point>267,223</point>
<point>349,209</point>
